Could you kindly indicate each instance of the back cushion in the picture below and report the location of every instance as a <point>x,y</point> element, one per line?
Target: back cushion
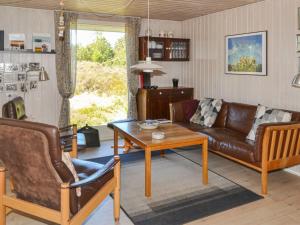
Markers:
<point>240,117</point>
<point>295,116</point>
<point>222,115</point>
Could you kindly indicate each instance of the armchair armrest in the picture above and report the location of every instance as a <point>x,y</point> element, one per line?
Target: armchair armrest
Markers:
<point>67,128</point>
<point>97,175</point>
<point>182,111</point>
<point>277,139</point>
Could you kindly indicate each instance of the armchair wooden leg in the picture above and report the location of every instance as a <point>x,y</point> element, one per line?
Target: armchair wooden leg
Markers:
<point>264,182</point>
<point>2,193</point>
<point>117,170</point>
<point>65,204</point>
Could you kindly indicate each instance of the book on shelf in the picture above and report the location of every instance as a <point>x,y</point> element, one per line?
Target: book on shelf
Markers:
<point>16,41</point>
<point>41,42</point>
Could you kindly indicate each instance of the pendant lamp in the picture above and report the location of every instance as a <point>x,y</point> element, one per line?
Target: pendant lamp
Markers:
<point>147,66</point>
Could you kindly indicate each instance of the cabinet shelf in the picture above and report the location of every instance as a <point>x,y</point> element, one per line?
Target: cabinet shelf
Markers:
<point>26,51</point>
<point>173,49</point>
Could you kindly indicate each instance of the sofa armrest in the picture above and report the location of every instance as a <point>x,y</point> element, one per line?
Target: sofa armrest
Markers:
<point>182,111</point>
<point>272,138</point>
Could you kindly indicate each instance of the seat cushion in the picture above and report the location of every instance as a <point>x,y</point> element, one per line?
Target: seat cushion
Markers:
<point>84,169</point>
<point>230,142</point>
<point>192,126</point>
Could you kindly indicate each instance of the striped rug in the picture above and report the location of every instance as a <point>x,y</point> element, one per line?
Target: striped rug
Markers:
<point>178,195</point>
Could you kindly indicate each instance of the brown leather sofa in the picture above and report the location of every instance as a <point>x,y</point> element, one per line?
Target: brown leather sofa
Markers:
<point>276,145</point>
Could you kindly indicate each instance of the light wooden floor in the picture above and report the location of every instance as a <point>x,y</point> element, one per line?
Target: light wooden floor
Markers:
<point>280,207</point>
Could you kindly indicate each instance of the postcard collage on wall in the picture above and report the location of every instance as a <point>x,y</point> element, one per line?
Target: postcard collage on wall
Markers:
<point>19,77</point>
<point>22,76</point>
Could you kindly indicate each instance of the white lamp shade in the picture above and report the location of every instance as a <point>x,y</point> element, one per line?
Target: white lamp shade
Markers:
<point>146,66</point>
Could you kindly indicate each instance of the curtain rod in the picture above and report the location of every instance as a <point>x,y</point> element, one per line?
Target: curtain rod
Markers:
<point>98,14</point>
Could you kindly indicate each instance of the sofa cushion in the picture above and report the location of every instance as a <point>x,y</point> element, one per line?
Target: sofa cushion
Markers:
<point>230,142</point>
<point>192,126</point>
<point>267,115</point>
<point>189,108</point>
<point>207,112</point>
<point>240,117</point>
<point>222,116</point>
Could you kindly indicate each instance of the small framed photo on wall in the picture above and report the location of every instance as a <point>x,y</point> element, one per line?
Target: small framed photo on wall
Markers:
<point>11,87</point>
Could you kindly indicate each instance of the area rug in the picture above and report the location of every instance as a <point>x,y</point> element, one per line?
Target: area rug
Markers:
<point>178,195</point>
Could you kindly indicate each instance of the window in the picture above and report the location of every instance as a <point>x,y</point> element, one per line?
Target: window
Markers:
<point>101,86</point>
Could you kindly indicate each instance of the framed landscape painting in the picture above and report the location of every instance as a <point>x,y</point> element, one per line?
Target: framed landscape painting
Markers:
<point>246,54</point>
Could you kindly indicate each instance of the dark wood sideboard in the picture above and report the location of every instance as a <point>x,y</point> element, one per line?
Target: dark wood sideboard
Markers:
<point>154,103</point>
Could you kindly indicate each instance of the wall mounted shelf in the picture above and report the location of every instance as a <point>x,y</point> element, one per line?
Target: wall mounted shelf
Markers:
<point>164,49</point>
<point>26,51</point>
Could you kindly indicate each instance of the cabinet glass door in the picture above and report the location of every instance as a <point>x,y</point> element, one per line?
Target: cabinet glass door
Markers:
<point>156,49</point>
<point>178,50</point>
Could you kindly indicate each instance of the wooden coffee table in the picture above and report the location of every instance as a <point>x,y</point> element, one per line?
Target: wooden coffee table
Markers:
<point>176,136</point>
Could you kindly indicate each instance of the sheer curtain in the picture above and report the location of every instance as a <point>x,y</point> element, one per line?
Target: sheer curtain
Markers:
<point>66,63</point>
<point>132,30</point>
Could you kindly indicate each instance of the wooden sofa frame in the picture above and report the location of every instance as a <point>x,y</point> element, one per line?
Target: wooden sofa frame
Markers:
<point>280,149</point>
<point>10,203</point>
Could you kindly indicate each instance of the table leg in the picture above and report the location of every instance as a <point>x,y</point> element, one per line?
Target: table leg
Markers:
<point>116,142</point>
<point>205,162</point>
<point>162,153</point>
<point>148,173</point>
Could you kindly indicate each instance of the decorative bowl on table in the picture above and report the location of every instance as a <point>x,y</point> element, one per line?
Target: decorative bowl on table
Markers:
<point>158,135</point>
<point>149,124</point>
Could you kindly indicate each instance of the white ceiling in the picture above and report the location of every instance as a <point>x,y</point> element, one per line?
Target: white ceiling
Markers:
<point>177,10</point>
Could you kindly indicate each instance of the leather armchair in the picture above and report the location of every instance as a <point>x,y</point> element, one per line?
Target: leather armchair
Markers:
<point>71,141</point>
<point>43,184</point>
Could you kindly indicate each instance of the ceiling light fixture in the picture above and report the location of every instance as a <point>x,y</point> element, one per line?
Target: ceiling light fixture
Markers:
<point>147,66</point>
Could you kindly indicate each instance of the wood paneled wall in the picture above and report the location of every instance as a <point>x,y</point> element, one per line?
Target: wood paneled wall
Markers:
<point>205,71</point>
<point>42,104</point>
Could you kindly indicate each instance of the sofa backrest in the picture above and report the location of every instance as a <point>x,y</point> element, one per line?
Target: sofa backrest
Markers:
<point>222,116</point>
<point>240,117</point>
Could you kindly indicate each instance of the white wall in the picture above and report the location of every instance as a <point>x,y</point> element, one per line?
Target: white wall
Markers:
<point>205,71</point>
<point>172,69</point>
<point>43,104</point>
